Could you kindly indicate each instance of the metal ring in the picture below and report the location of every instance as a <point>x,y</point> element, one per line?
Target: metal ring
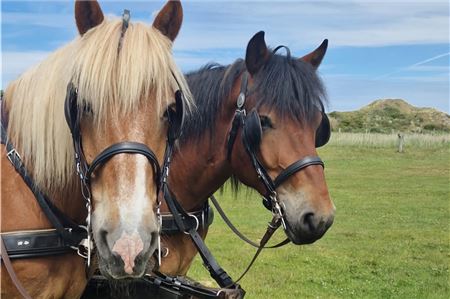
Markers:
<point>219,292</point>
<point>166,252</point>
<point>196,220</point>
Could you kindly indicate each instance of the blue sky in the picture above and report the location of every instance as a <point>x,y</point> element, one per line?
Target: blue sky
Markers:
<point>377,49</point>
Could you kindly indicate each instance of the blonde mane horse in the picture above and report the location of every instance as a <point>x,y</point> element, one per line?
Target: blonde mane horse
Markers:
<point>125,79</point>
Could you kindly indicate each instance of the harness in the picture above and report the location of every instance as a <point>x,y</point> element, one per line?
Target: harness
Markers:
<point>67,235</point>
<point>179,287</point>
<point>251,138</point>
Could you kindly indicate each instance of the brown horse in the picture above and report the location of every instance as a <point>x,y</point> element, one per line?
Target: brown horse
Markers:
<point>124,78</point>
<point>288,97</point>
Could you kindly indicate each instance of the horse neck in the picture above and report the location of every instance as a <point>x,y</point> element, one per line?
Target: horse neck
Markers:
<point>70,201</point>
<point>200,165</point>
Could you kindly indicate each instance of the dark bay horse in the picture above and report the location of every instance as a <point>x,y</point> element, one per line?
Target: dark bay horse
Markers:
<point>284,123</point>
<point>121,77</point>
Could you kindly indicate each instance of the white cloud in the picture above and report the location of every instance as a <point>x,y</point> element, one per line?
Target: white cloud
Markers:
<point>220,31</point>
<point>305,24</point>
<point>300,24</point>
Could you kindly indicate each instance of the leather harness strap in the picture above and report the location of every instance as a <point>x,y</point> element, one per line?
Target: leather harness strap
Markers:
<point>54,215</point>
<point>186,225</point>
<point>66,236</point>
<point>127,147</point>
<point>296,167</point>
<point>37,243</point>
<point>237,232</point>
<point>7,262</point>
<point>169,225</point>
<point>270,200</point>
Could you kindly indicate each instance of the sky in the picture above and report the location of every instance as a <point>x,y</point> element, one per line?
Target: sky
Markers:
<point>377,49</point>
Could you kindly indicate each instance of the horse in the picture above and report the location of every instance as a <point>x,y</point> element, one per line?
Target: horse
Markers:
<point>285,120</point>
<point>113,86</point>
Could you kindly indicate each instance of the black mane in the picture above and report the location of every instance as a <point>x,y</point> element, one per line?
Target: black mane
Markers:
<point>288,85</point>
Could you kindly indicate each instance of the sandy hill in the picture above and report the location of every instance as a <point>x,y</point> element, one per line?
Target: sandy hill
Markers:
<point>391,115</point>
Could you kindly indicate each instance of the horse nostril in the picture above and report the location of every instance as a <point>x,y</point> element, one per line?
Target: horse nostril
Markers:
<point>307,222</point>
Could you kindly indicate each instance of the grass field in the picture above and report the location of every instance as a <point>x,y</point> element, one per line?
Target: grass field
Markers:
<point>390,238</point>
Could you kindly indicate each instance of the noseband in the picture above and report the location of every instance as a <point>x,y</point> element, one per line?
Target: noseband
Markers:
<point>251,144</point>
<point>85,170</point>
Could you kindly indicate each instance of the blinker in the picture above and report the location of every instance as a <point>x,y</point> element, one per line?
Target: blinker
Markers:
<point>175,118</point>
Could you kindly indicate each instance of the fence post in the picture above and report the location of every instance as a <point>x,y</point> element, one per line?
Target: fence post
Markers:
<point>401,140</point>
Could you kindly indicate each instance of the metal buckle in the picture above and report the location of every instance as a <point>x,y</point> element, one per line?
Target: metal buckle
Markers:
<point>166,252</point>
<point>276,208</point>
<point>241,100</point>
<point>158,215</point>
<point>11,153</point>
<point>203,218</point>
<point>196,220</point>
<point>166,172</point>
<point>84,248</point>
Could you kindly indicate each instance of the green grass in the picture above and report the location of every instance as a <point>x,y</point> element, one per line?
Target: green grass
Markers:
<point>378,140</point>
<point>390,238</point>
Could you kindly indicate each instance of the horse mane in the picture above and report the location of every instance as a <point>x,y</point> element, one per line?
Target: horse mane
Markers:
<point>108,80</point>
<point>205,85</point>
<point>287,85</point>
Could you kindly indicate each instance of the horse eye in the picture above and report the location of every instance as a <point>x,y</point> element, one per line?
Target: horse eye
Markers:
<point>266,122</point>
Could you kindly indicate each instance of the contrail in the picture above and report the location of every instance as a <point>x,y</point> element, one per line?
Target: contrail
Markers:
<point>413,65</point>
<point>428,60</point>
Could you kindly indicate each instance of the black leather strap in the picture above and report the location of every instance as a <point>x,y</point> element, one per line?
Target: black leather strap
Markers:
<point>126,148</point>
<point>296,167</point>
<point>9,268</point>
<point>54,215</point>
<point>182,219</point>
<point>37,243</point>
<point>205,217</point>
<point>239,116</point>
<point>271,228</point>
<point>237,122</point>
<point>237,232</point>
<point>158,285</point>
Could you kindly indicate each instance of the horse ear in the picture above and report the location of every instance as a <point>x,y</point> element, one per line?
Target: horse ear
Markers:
<point>257,53</point>
<point>169,19</point>
<point>88,14</point>
<point>315,57</point>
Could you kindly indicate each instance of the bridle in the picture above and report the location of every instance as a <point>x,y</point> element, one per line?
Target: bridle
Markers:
<point>68,235</point>
<point>85,170</point>
<point>188,224</point>
<point>251,138</point>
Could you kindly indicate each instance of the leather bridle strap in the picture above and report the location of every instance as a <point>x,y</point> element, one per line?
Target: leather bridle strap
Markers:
<point>239,115</point>
<point>237,232</point>
<point>54,215</point>
<point>296,167</point>
<point>7,262</point>
<point>126,147</point>
<point>271,228</point>
<point>185,225</point>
